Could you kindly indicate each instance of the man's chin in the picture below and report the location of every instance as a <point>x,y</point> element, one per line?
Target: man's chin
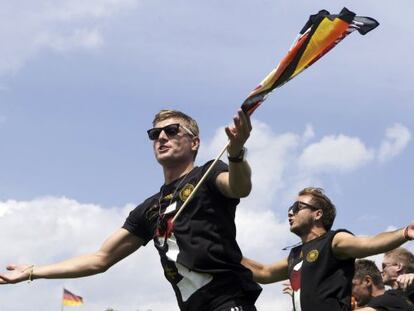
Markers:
<point>294,230</point>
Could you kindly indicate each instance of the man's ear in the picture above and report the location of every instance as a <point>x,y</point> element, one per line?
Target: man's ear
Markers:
<point>400,268</point>
<point>195,144</point>
<point>318,214</point>
<point>367,280</point>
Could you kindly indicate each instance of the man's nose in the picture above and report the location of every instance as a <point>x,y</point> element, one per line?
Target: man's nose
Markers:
<point>163,135</point>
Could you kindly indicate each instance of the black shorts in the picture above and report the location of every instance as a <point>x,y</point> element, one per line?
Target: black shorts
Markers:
<point>235,305</point>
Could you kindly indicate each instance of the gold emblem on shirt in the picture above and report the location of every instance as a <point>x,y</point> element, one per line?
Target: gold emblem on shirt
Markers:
<point>186,191</point>
<point>312,256</point>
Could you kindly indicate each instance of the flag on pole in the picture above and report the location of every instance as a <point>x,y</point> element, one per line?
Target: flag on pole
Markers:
<point>319,35</point>
<point>70,299</point>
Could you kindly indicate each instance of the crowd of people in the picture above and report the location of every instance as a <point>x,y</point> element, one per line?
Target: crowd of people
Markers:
<point>198,249</point>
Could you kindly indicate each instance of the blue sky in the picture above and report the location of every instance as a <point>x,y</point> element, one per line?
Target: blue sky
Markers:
<point>80,83</point>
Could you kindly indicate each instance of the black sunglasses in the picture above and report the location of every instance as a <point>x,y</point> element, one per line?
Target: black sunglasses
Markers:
<point>298,206</point>
<point>171,130</point>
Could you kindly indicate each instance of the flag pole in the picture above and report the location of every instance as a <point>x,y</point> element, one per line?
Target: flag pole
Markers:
<point>63,295</point>
<point>187,201</point>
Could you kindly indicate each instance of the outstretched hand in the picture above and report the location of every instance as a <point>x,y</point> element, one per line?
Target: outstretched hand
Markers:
<point>238,133</point>
<point>405,280</point>
<point>16,274</point>
<point>287,288</point>
<point>410,231</point>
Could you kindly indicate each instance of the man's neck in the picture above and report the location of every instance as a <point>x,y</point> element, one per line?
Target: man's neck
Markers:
<point>174,172</point>
<point>377,291</point>
<point>314,233</point>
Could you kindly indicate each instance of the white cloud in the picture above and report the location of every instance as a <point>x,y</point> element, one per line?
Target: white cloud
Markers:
<point>30,26</point>
<point>396,139</point>
<point>309,133</point>
<point>335,153</point>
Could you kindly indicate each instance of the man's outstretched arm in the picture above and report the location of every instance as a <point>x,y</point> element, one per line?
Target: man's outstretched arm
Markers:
<point>265,274</point>
<point>346,245</point>
<point>118,246</point>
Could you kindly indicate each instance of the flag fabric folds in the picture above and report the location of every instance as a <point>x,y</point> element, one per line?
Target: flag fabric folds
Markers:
<point>320,34</point>
<point>70,299</point>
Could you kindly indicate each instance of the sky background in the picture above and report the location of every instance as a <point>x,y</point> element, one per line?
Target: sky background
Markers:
<point>80,82</point>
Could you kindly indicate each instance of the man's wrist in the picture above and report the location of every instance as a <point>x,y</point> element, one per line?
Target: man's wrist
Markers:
<point>30,270</point>
<point>240,157</point>
<point>406,235</point>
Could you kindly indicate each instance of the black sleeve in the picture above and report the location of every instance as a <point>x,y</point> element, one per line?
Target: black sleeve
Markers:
<point>389,301</point>
<point>138,221</point>
<point>219,168</point>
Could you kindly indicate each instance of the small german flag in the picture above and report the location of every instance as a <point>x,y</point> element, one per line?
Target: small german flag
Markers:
<point>70,299</point>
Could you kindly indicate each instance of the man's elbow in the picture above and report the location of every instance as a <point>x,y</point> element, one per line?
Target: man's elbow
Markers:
<point>263,276</point>
<point>242,191</point>
<point>102,263</point>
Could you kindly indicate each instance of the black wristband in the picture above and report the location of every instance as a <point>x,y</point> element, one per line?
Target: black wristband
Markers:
<point>239,158</point>
<point>406,236</point>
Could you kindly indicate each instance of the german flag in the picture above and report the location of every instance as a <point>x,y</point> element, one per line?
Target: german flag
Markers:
<point>70,299</point>
<point>321,33</point>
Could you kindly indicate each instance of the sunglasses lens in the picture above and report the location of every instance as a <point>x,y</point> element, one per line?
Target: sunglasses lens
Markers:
<point>154,133</point>
<point>172,129</point>
<point>294,208</point>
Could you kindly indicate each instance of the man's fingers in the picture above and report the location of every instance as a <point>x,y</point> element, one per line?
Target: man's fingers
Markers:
<point>229,133</point>
<point>246,119</point>
<point>3,279</point>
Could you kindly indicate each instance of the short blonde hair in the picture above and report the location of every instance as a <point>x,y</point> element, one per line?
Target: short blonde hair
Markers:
<point>404,257</point>
<point>190,123</point>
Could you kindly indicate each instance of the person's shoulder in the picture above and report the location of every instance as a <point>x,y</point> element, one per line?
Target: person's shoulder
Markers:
<point>338,235</point>
<point>147,202</point>
<point>336,231</point>
<point>219,167</point>
<point>219,164</point>
<point>390,298</point>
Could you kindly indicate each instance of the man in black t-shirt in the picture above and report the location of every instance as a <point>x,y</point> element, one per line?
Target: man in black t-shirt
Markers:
<point>369,291</point>
<point>321,268</point>
<point>198,251</point>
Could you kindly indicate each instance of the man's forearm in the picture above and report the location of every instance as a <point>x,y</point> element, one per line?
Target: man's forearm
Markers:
<point>265,274</point>
<point>385,241</point>
<point>240,178</point>
<point>349,246</point>
<point>76,267</point>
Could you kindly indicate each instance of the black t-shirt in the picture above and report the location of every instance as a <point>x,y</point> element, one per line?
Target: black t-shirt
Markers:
<point>410,293</point>
<point>200,255</point>
<point>320,281</point>
<point>391,300</point>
